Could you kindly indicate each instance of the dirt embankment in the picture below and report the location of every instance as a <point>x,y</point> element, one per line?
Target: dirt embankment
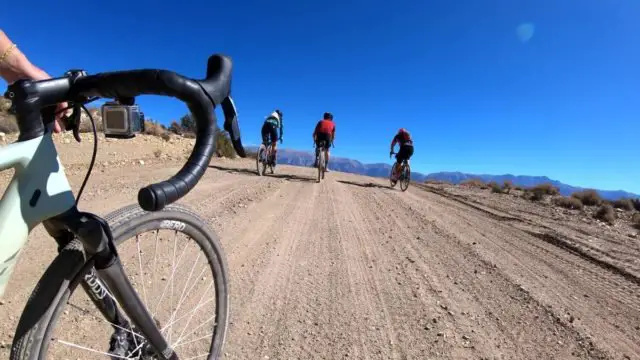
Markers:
<point>352,269</point>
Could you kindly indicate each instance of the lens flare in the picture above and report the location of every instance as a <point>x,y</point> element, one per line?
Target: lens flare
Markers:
<point>525,32</point>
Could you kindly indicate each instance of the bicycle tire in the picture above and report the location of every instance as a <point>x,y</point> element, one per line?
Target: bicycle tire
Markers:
<point>391,181</point>
<point>406,178</point>
<point>320,165</point>
<point>61,278</point>
<point>261,150</point>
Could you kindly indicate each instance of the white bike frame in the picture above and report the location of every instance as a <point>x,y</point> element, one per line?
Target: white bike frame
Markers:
<point>38,191</point>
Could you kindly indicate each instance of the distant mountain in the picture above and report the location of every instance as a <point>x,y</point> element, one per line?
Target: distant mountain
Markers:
<point>304,158</point>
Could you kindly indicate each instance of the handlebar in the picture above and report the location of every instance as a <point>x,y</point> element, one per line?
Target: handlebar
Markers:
<point>34,102</point>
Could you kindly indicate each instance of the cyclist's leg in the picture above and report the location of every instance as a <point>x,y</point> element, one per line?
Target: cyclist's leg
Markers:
<point>326,155</point>
<point>274,143</point>
<point>265,137</point>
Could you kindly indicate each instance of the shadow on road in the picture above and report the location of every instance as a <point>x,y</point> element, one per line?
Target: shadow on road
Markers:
<point>366,185</point>
<point>288,177</point>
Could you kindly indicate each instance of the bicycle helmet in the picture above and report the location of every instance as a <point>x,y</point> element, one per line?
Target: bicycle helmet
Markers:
<point>402,131</point>
<point>328,116</point>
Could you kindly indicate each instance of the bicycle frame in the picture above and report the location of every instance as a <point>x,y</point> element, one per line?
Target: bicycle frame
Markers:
<point>39,192</point>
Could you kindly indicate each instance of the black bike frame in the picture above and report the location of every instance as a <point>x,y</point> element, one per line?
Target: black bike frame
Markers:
<point>95,235</point>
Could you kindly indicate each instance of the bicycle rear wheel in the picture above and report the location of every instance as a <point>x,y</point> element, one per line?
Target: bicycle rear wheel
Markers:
<point>392,181</point>
<point>260,159</point>
<point>405,178</point>
<point>320,165</point>
<point>37,335</point>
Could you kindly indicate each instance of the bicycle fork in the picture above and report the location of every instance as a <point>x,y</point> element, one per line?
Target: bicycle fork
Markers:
<point>106,276</point>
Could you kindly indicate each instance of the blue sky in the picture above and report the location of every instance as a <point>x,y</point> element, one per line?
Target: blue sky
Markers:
<point>476,97</point>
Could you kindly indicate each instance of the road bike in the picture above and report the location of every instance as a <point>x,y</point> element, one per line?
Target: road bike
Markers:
<point>264,159</point>
<point>404,174</point>
<point>88,245</point>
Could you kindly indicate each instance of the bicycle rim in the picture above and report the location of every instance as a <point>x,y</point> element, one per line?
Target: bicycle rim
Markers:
<point>87,334</point>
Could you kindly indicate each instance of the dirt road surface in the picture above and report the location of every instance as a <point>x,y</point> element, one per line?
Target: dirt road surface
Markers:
<point>350,269</point>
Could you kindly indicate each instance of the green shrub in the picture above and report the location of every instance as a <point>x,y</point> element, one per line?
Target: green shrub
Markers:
<point>624,204</point>
<point>606,214</point>
<point>588,197</point>
<point>569,202</point>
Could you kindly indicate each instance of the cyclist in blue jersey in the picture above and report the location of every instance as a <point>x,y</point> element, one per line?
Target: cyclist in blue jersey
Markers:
<point>272,132</point>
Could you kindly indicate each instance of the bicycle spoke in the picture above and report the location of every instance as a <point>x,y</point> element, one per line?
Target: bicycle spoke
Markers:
<point>142,279</point>
<point>199,326</point>
<point>155,259</point>
<point>193,312</point>
<point>91,350</point>
<point>173,272</point>
<point>208,336</point>
<point>182,296</point>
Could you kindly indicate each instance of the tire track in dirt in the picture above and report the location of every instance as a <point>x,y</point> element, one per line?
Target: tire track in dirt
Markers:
<point>258,314</point>
<point>559,279</point>
<point>467,297</point>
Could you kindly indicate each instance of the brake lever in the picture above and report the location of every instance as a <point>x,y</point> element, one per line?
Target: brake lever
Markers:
<point>73,122</point>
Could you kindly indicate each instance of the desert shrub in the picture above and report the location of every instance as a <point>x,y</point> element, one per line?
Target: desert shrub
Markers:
<point>536,194</point>
<point>588,197</point>
<point>606,214</point>
<point>636,203</point>
<point>475,183</point>
<point>224,146</point>
<point>188,135</point>
<point>495,188</point>
<point>624,204</point>
<point>569,202</point>
<point>507,186</point>
<point>155,129</point>
<point>519,188</point>
<point>175,128</point>
<point>635,221</point>
<point>545,189</point>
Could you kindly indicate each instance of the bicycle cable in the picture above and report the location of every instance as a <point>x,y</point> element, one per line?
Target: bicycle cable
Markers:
<point>93,156</point>
<point>95,142</point>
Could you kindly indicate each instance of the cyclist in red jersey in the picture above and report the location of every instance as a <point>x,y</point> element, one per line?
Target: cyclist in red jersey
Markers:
<point>325,131</point>
<point>406,148</point>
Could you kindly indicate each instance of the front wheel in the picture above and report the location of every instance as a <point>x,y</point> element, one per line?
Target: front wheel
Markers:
<point>192,317</point>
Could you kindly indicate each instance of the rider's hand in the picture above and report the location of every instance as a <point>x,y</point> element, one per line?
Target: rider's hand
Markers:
<point>280,140</point>
<point>16,66</point>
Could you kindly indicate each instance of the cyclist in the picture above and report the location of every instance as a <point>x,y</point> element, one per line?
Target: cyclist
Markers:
<point>270,129</point>
<point>325,131</point>
<point>403,137</point>
<point>14,66</point>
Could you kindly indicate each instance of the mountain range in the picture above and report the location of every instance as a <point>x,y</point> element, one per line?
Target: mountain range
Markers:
<point>304,158</point>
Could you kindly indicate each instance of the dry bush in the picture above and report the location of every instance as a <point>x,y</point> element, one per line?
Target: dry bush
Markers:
<point>624,204</point>
<point>636,203</point>
<point>156,129</point>
<point>519,188</point>
<point>495,188</point>
<point>569,202</point>
<point>507,186</point>
<point>635,220</point>
<point>546,189</point>
<point>475,183</point>
<point>224,147</point>
<point>606,214</point>
<point>589,197</point>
